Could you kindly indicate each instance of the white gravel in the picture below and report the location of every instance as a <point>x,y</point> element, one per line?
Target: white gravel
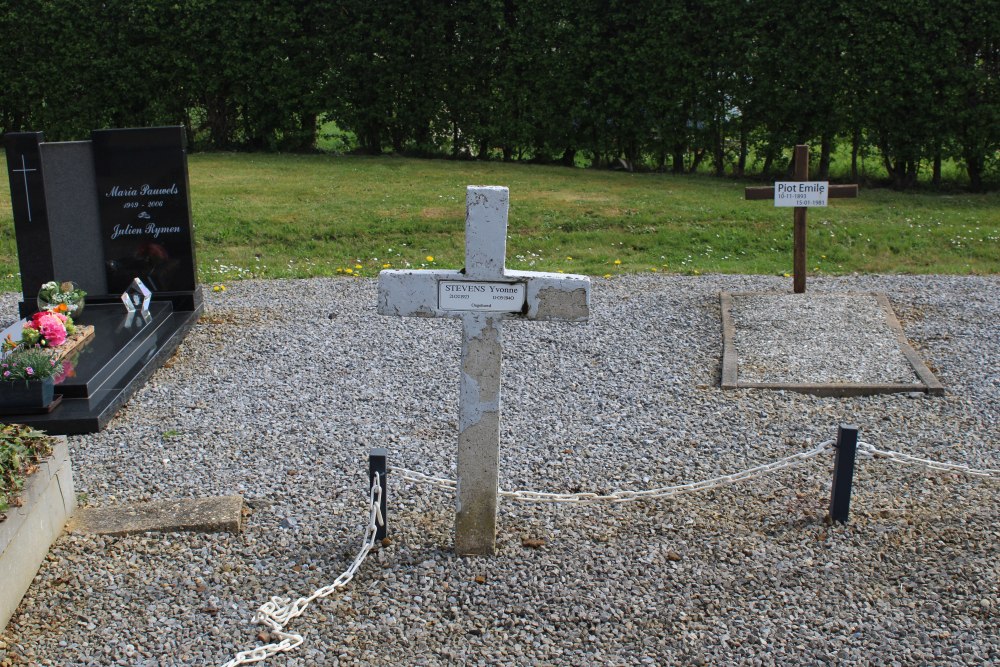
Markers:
<point>281,390</point>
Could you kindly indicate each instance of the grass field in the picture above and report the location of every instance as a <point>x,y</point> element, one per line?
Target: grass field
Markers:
<point>269,216</point>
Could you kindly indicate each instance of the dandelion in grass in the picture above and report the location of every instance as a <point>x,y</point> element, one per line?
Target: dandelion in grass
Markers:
<point>387,265</point>
<point>358,266</point>
<point>618,262</point>
<point>349,271</point>
<point>430,258</point>
<point>607,275</point>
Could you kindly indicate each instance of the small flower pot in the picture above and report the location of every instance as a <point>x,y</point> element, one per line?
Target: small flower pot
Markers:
<point>34,394</point>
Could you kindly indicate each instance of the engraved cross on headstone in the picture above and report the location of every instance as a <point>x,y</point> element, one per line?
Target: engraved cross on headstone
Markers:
<point>24,171</point>
<point>483,294</point>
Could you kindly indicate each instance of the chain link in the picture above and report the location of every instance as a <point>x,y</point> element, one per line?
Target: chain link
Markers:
<point>898,457</point>
<point>278,611</point>
<point>629,496</point>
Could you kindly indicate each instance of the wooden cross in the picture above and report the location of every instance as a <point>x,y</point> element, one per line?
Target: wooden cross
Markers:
<point>482,295</point>
<point>799,233</point>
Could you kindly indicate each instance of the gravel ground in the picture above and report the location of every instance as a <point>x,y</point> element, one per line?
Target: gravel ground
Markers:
<point>787,338</point>
<point>283,387</point>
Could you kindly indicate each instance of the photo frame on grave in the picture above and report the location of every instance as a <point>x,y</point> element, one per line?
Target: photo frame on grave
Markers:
<point>137,297</point>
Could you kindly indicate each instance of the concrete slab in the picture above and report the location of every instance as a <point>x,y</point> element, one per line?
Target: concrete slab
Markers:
<point>202,515</point>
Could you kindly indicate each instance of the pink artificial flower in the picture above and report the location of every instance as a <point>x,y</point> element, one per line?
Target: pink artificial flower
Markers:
<point>51,327</point>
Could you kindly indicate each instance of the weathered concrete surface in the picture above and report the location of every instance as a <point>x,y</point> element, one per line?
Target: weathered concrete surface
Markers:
<point>48,500</point>
<point>203,515</point>
<point>548,297</point>
<point>486,231</point>
<point>478,435</point>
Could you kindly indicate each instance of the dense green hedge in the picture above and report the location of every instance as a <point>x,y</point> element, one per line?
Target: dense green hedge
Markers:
<point>672,84</point>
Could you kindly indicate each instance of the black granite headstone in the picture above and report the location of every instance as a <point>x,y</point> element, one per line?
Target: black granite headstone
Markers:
<point>27,199</point>
<point>103,213</point>
<point>142,185</point>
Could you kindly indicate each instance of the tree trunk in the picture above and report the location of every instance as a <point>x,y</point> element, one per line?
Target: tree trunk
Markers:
<point>912,167</point>
<point>826,148</point>
<point>936,177</point>
<point>741,164</point>
<point>768,161</point>
<point>699,155</point>
<point>677,161</point>
<point>308,129</point>
<point>568,157</point>
<point>720,152</point>
<point>855,148</point>
<point>974,167</point>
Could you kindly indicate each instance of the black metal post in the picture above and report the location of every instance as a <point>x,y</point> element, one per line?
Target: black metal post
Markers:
<point>843,472</point>
<point>377,465</point>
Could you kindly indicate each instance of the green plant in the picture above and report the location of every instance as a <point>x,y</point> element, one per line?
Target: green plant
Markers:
<point>21,448</point>
<point>25,364</point>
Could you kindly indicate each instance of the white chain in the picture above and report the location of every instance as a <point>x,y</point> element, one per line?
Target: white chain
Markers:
<point>629,496</point>
<point>899,457</point>
<point>278,611</point>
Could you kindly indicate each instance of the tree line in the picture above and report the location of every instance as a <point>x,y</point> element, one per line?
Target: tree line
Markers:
<point>676,85</point>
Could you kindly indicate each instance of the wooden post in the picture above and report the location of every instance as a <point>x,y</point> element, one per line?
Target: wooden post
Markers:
<point>843,473</point>
<point>799,232</point>
<point>378,466</point>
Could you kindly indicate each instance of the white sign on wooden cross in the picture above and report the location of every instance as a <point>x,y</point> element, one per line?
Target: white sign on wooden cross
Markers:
<point>483,294</point>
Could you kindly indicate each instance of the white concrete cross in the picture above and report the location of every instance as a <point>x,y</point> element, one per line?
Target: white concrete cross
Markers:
<point>483,294</point>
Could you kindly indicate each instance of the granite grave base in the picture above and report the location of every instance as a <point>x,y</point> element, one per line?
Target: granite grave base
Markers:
<point>122,355</point>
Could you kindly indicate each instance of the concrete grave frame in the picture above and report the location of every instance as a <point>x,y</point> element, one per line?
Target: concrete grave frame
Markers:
<point>48,501</point>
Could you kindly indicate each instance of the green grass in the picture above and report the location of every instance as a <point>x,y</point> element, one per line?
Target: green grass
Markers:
<point>271,216</point>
